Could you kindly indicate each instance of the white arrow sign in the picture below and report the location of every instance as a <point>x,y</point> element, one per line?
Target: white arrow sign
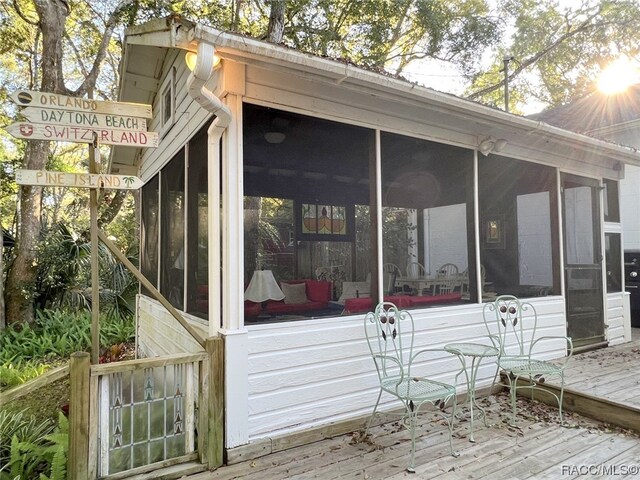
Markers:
<point>30,98</point>
<point>45,178</point>
<point>62,133</point>
<point>85,119</point>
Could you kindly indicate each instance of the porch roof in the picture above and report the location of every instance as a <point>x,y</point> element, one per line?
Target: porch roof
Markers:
<point>148,45</point>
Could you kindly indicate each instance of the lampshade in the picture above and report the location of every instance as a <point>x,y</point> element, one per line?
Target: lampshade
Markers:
<point>263,287</point>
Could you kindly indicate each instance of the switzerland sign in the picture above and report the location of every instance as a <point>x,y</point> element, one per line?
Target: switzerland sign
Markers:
<point>68,133</point>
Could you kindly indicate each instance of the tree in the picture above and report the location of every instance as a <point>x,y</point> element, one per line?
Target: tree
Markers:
<point>45,24</point>
<point>557,52</point>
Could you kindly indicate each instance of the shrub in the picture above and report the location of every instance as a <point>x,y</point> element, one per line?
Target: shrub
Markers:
<point>29,449</point>
<point>30,351</point>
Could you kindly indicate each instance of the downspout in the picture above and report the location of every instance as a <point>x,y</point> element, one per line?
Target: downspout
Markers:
<point>196,86</point>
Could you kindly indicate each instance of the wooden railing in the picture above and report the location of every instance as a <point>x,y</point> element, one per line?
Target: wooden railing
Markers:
<point>132,417</point>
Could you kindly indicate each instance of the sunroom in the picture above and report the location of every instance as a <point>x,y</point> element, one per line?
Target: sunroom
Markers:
<point>329,188</point>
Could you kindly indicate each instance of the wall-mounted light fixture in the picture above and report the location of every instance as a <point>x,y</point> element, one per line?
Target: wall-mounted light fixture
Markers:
<point>489,145</point>
<point>191,59</point>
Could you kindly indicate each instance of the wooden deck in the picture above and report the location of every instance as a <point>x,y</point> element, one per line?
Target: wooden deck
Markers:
<point>612,373</point>
<point>538,448</point>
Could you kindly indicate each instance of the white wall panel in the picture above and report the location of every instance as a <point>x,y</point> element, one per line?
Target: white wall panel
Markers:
<point>313,372</point>
<point>616,331</point>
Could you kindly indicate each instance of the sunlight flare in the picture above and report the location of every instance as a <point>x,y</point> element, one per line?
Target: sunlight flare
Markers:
<point>619,75</point>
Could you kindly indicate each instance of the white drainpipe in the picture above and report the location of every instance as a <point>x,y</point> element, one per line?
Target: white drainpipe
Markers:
<point>196,85</point>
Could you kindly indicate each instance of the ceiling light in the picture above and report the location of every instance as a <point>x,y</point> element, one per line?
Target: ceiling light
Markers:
<point>274,137</point>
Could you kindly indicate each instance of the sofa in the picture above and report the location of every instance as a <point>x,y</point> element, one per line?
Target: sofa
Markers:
<point>358,305</point>
<point>317,294</point>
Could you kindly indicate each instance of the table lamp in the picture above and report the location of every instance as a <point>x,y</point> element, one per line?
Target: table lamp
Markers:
<point>262,288</point>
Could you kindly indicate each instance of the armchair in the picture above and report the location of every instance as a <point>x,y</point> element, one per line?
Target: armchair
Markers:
<point>512,329</point>
<point>390,335</point>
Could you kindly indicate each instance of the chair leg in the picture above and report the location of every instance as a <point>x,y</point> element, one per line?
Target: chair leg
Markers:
<point>561,395</point>
<point>373,414</point>
<point>412,426</point>
<point>451,424</point>
<point>513,382</point>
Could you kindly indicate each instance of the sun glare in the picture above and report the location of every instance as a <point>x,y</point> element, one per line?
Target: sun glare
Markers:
<point>618,76</point>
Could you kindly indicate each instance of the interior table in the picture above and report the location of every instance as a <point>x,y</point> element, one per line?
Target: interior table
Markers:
<point>476,352</point>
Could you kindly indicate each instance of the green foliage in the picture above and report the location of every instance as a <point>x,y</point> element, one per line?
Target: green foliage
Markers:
<point>64,279</point>
<point>29,351</point>
<point>18,372</point>
<point>58,334</point>
<point>29,449</point>
<point>22,445</point>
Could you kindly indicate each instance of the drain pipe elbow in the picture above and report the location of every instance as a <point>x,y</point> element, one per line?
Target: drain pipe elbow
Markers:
<point>196,86</point>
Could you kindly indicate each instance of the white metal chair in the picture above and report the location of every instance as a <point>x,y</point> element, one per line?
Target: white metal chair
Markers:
<point>512,328</point>
<point>390,335</point>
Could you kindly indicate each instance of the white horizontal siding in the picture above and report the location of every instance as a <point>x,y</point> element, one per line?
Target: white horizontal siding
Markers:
<point>161,334</point>
<point>308,373</point>
<point>616,318</point>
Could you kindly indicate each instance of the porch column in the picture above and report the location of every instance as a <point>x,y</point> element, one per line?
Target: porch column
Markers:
<point>232,329</point>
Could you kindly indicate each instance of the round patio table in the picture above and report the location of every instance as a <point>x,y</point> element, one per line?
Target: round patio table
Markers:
<point>476,352</point>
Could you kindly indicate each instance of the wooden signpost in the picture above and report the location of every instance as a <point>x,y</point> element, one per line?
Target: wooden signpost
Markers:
<point>71,119</point>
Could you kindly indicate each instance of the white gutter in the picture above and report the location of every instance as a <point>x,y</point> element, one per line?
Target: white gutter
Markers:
<point>196,86</point>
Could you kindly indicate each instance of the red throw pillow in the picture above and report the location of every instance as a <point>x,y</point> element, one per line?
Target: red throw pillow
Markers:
<point>318,291</point>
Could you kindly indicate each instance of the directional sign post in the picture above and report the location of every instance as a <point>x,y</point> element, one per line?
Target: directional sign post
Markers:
<point>72,119</point>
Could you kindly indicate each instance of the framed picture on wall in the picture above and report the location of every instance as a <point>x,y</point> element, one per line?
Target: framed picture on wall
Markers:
<point>494,231</point>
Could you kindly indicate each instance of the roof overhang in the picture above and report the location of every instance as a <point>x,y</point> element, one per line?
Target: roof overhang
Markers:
<point>147,46</point>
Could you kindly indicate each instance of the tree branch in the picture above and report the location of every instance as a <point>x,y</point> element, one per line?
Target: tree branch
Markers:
<point>90,80</point>
<point>584,26</point>
<point>16,7</point>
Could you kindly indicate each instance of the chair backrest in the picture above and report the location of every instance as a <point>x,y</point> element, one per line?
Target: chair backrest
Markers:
<point>415,270</point>
<point>391,268</point>
<point>511,322</point>
<point>448,270</point>
<point>390,334</point>
<point>389,282</point>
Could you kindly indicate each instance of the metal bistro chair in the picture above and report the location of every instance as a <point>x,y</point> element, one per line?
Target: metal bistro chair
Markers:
<point>390,335</point>
<point>512,329</point>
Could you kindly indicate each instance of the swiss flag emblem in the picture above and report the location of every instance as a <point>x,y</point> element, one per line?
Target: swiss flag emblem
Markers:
<point>26,129</point>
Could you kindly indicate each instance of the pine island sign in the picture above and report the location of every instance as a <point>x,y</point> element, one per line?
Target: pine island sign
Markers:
<point>44,178</point>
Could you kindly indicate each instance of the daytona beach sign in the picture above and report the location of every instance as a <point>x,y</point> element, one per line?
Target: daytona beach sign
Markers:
<point>86,119</point>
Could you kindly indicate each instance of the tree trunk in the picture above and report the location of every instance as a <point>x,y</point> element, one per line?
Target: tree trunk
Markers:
<point>22,275</point>
<point>275,30</point>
